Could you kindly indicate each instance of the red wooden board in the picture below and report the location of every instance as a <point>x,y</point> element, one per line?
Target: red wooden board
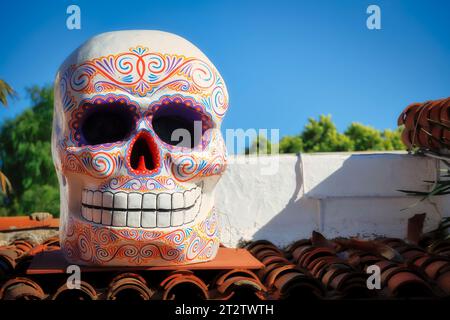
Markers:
<point>47,262</point>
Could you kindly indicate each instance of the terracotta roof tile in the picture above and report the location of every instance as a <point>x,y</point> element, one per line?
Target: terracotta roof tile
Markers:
<point>426,125</point>
<point>315,268</point>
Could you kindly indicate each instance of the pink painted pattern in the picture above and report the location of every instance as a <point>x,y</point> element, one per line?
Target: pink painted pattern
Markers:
<point>86,243</point>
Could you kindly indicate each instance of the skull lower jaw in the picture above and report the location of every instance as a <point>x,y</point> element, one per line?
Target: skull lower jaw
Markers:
<point>94,243</point>
<point>88,243</point>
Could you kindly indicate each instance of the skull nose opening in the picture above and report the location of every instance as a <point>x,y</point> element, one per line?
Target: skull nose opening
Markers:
<point>144,155</point>
<point>141,157</point>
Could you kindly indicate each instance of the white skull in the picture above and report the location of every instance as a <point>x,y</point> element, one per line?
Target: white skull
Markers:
<point>131,195</point>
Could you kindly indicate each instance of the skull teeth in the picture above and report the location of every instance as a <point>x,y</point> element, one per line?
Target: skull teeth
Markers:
<point>148,210</point>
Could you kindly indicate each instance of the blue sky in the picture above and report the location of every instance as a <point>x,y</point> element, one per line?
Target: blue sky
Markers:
<point>283,61</point>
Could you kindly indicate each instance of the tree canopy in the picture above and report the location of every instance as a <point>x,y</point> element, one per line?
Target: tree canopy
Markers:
<point>25,154</point>
<point>322,136</point>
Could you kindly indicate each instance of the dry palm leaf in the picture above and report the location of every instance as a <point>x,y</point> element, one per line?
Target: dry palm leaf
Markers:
<point>6,186</point>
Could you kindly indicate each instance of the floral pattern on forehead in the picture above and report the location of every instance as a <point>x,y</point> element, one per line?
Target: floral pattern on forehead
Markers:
<point>143,73</point>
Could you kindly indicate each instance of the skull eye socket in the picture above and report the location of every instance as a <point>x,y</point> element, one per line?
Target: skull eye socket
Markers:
<point>106,123</point>
<point>179,125</point>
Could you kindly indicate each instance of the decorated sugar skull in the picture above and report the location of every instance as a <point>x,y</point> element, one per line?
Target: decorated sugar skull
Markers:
<point>138,150</point>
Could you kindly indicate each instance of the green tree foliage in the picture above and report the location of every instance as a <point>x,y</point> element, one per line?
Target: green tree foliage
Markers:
<point>364,137</point>
<point>322,136</point>
<point>368,138</point>
<point>291,144</point>
<point>25,153</point>
<point>259,146</point>
<point>392,139</point>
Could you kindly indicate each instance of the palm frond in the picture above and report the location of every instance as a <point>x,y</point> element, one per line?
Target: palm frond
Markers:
<point>5,184</point>
<point>6,91</point>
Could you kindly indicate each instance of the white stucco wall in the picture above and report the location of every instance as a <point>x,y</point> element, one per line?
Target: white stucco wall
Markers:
<point>285,198</point>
